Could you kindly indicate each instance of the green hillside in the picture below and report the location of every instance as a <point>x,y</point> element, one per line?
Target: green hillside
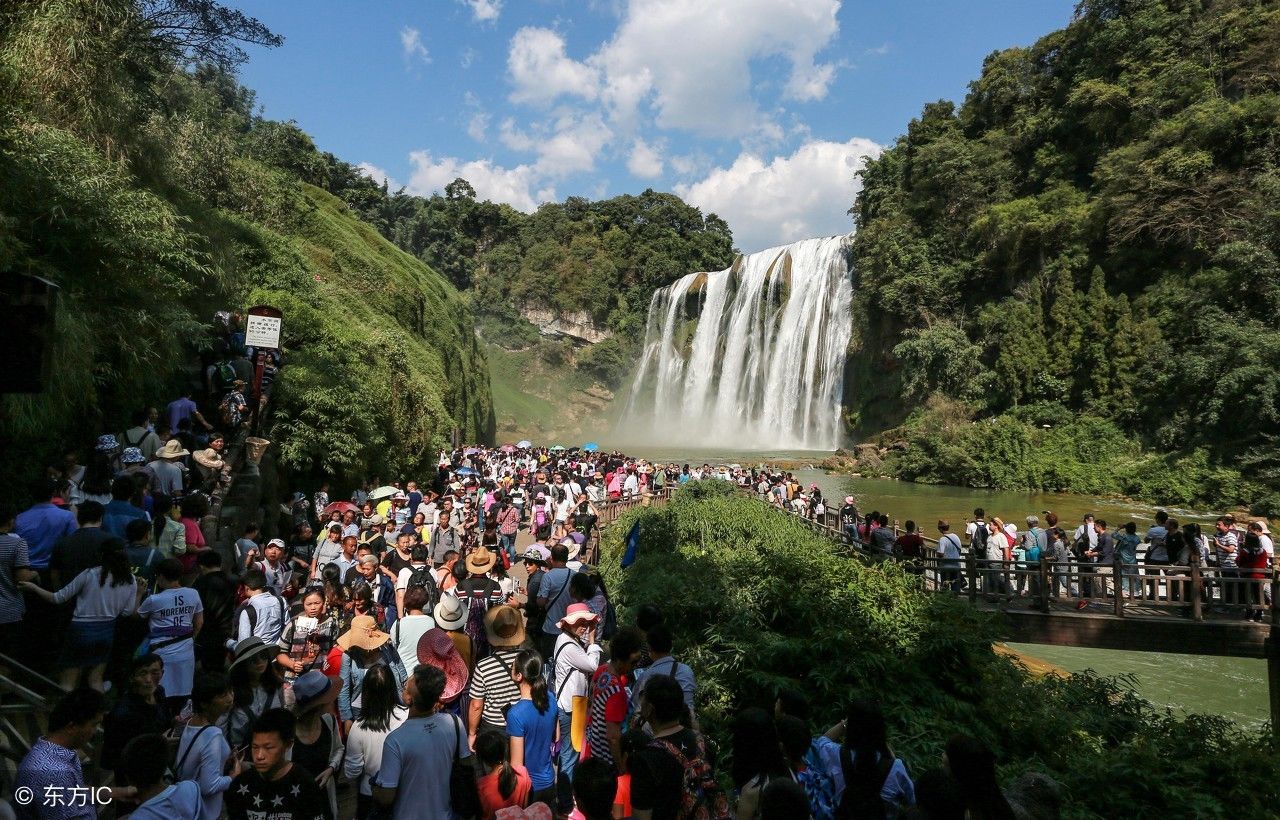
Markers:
<point>153,196</point>
<point>1088,244</point>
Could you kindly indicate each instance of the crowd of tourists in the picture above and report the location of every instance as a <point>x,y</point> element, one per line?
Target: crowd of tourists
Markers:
<point>396,654</point>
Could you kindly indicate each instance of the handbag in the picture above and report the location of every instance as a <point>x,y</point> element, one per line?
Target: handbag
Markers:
<point>464,798</point>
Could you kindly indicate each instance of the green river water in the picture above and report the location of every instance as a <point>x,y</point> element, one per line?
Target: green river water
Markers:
<point>1232,687</point>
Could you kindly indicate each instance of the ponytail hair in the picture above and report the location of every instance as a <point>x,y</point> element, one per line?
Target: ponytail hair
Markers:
<point>492,749</point>
<point>529,665</point>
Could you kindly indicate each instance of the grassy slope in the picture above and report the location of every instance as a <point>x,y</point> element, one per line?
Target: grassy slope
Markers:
<point>540,401</point>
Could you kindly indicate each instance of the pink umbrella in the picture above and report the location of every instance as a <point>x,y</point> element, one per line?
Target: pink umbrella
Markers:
<point>340,506</point>
<point>508,448</point>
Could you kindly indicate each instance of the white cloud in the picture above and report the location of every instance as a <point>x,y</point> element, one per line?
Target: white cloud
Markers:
<point>645,161</point>
<point>478,126</point>
<point>691,59</point>
<point>485,11</point>
<point>789,198</point>
<point>378,175</point>
<point>574,145</point>
<point>541,71</point>
<point>468,57</point>
<point>411,45</point>
<point>513,137</point>
<point>510,185</point>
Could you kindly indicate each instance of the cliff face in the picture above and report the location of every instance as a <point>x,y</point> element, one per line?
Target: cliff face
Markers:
<point>577,325</point>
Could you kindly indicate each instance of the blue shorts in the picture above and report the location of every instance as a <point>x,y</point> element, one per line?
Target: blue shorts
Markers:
<point>88,644</point>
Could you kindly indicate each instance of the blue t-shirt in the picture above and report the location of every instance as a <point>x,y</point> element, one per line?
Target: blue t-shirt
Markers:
<point>538,731</point>
<point>416,760</point>
<point>555,588</point>
<point>117,516</point>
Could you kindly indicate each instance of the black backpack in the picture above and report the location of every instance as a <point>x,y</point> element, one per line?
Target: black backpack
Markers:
<point>862,800</point>
<point>422,577</point>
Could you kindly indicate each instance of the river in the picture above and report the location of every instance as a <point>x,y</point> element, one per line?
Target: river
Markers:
<point>1232,687</point>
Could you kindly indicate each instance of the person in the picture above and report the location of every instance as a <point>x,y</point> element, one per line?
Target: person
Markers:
<point>174,616</point>
<point>143,558</point>
<point>43,524</point>
<point>140,710</point>
<point>380,714</point>
<point>493,689</point>
<point>757,758</point>
<point>1126,546</point>
<point>168,534</point>
<point>327,551</point>
<point>417,758</point>
<point>508,523</point>
<point>81,549</point>
<point>15,567</point>
<point>576,658</point>
<point>1226,545</point>
<point>144,767</point>
<point>364,646</point>
<point>218,600</point>
<point>408,629</point>
<point>54,760</point>
<point>553,596</point>
<point>263,613</point>
<point>501,785</point>
<point>317,746</point>
<point>120,511</point>
<point>1252,561</point>
<point>531,724</point>
<point>949,573</point>
<point>662,664</point>
<point>534,560</point>
<point>203,753</point>
<point>168,474</point>
<point>141,435</point>
<point>306,640</point>
<point>882,538</point>
<point>1103,555</point>
<point>255,688</point>
<point>191,509</point>
<point>595,785</point>
<point>444,535</point>
<point>784,799</point>
<point>608,700</point>
<point>794,739</point>
<point>450,617</point>
<point>973,766</point>
<point>445,578</point>
<point>866,776</point>
<point>479,593</point>
<point>183,408</point>
<point>98,604</point>
<point>275,780</point>
<point>662,771</point>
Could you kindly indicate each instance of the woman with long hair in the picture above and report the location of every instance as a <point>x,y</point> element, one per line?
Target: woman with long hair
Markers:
<point>167,533</point>
<point>502,785</point>
<point>973,766</point>
<point>757,759</point>
<point>380,714</point>
<point>204,755</point>
<point>255,687</point>
<point>531,724</point>
<point>102,595</point>
<point>869,779</point>
<point>193,508</point>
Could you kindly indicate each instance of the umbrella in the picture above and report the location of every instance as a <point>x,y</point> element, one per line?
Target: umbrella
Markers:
<point>464,471</point>
<point>559,448</point>
<point>383,492</point>
<point>590,447</point>
<point>524,444</point>
<point>339,506</point>
<point>471,451</point>
<point>508,448</point>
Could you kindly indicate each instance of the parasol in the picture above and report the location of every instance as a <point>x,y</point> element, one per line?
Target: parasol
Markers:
<point>339,506</point>
<point>383,492</point>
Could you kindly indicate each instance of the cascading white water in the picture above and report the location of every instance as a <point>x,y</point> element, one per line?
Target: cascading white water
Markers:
<point>751,357</point>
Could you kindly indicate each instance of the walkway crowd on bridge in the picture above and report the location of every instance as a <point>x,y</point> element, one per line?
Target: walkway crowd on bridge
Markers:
<point>443,649</point>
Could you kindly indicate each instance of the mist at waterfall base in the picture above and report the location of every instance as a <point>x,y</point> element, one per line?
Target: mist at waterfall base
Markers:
<point>751,357</point>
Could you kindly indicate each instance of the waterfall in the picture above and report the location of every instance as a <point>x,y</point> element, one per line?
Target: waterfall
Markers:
<point>751,357</point>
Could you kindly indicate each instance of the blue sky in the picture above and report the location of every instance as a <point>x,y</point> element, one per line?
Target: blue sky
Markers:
<point>759,110</point>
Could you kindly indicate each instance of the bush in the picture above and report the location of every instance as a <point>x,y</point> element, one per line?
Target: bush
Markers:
<point>758,602</point>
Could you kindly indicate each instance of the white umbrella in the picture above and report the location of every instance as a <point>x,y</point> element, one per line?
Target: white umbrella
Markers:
<point>383,492</point>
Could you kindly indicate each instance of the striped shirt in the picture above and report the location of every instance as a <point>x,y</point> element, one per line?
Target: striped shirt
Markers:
<point>492,681</point>
<point>609,704</point>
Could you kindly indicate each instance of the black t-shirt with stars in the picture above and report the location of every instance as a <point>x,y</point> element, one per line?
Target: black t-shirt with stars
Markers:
<point>293,797</point>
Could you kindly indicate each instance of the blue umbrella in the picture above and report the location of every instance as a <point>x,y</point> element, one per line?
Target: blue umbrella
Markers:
<point>525,444</point>
<point>590,447</point>
<point>464,471</point>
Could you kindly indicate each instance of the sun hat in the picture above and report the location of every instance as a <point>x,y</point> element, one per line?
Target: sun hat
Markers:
<point>250,648</point>
<point>436,648</point>
<point>314,689</point>
<point>573,545</point>
<point>450,613</point>
<point>172,449</point>
<point>107,444</point>
<point>505,626</point>
<point>537,554</point>
<point>363,633</point>
<point>576,614</point>
<point>376,520</point>
<point>1262,525</point>
<point>208,458</point>
<point>132,455</point>
<point>480,561</point>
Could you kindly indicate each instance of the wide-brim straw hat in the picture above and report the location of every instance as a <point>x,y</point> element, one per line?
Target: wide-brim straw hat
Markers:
<point>504,626</point>
<point>363,633</point>
<point>576,614</point>
<point>172,449</point>
<point>449,612</point>
<point>436,648</point>
<point>481,561</point>
<point>208,458</point>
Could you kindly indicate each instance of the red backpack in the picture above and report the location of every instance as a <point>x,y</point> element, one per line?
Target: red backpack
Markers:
<point>701,797</point>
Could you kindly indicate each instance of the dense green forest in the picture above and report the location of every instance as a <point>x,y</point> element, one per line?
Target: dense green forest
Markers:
<point>135,175</point>
<point>800,616</point>
<point>600,258</point>
<point>1083,258</point>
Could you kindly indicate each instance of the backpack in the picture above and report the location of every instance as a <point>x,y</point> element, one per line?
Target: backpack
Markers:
<point>224,376</point>
<point>477,606</point>
<point>228,410</point>
<point>855,803</point>
<point>820,791</point>
<point>422,577</point>
<point>979,541</point>
<point>701,797</point>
